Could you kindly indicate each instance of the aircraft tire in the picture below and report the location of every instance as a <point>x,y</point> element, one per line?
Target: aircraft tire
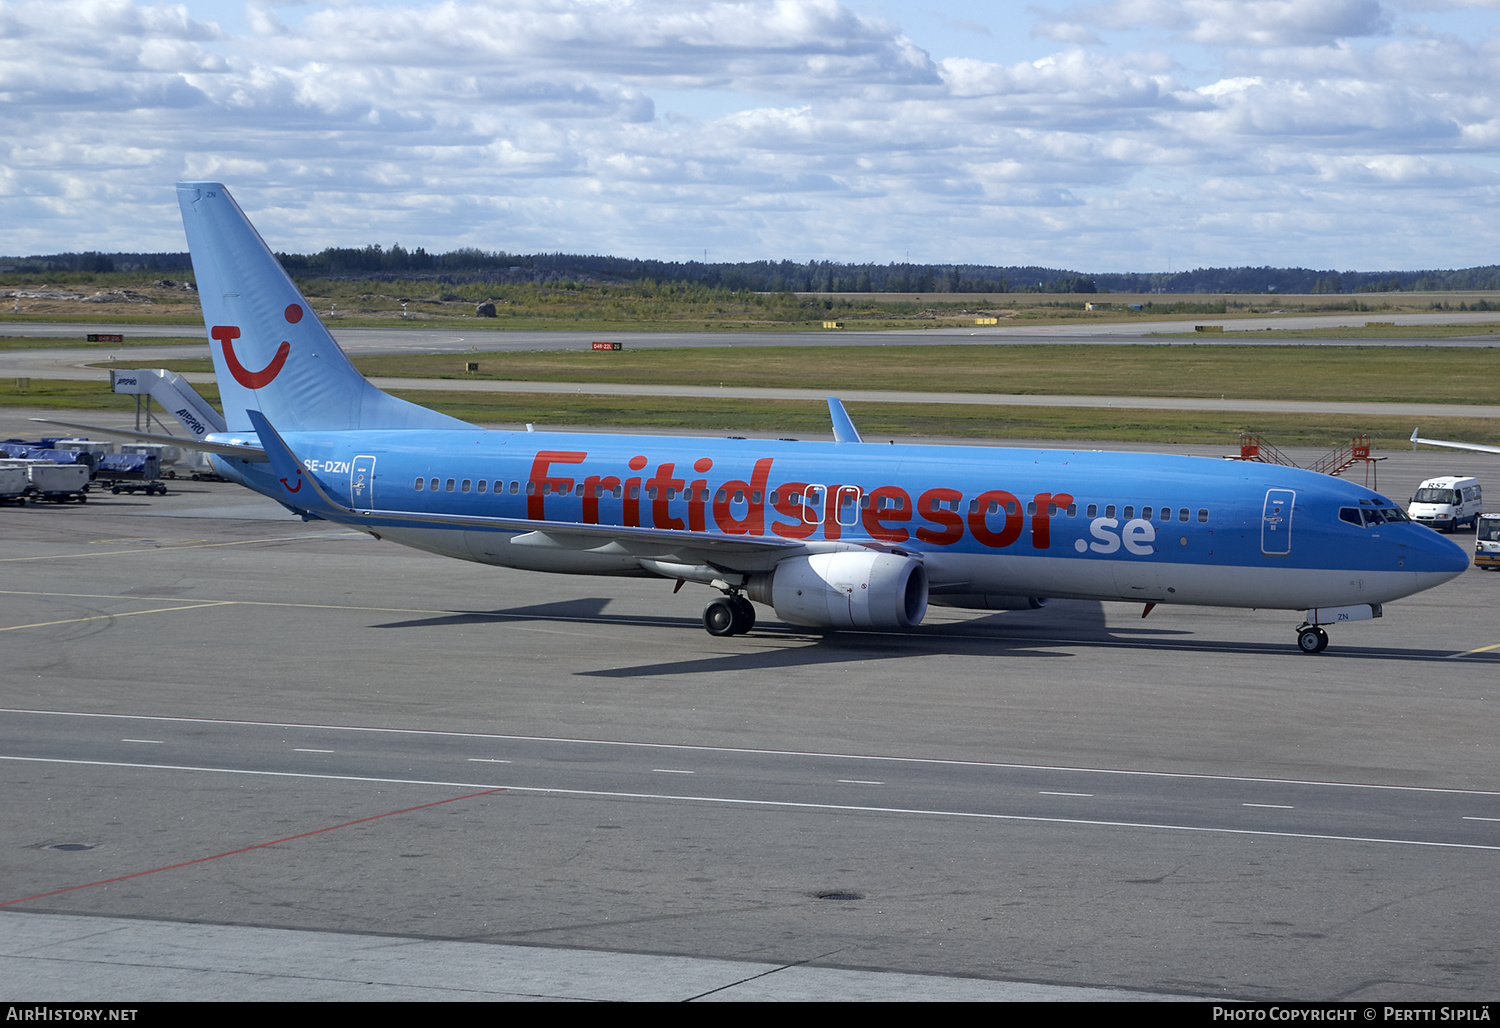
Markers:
<point>1312,640</point>
<point>745,611</point>
<point>720,617</point>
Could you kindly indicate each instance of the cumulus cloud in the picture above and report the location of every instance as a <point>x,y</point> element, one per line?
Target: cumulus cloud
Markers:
<point>1227,22</point>
<point>1240,125</point>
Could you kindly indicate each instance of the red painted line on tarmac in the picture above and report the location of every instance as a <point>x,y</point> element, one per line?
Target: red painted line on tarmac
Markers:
<point>257,846</point>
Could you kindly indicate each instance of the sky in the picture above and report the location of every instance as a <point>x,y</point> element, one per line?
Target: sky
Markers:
<point>1122,135</point>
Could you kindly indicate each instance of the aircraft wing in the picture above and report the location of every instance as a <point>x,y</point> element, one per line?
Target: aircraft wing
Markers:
<point>242,451</point>
<point>653,544</point>
<point>1476,447</point>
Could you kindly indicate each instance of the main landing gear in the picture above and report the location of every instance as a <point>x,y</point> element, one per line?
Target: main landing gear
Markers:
<point>730,614</point>
<point>1312,639</point>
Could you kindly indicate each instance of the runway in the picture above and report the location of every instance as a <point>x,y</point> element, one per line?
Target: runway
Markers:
<point>258,725</point>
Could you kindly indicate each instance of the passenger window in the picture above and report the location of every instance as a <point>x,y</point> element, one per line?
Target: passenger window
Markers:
<point>1202,515</point>
<point>482,485</point>
<point>1109,511</point>
<point>1182,515</point>
<point>420,483</point>
<point>449,485</point>
<point>1072,510</point>
<point>1129,513</point>
<point>1145,513</point>
<point>465,487</point>
<point>1165,514</point>
<point>1093,510</point>
<point>515,487</point>
<point>433,485</point>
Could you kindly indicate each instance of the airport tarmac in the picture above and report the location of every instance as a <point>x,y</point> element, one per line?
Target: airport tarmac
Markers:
<point>343,769</point>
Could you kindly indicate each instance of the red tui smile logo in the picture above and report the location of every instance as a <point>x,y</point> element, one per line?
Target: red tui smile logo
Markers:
<point>225,336</point>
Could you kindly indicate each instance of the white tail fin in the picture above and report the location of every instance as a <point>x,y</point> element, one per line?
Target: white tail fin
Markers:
<point>270,351</point>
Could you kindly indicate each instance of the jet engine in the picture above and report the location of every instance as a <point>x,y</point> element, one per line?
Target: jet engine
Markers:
<point>851,589</point>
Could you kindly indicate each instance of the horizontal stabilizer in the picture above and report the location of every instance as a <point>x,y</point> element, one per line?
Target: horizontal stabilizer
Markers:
<point>1475,447</point>
<point>243,451</point>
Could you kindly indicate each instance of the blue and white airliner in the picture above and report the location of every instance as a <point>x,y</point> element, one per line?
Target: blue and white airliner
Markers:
<point>836,535</point>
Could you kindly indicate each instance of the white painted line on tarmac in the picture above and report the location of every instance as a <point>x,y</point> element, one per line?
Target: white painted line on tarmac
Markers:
<point>1270,806</point>
<point>782,804</point>
<point>689,748</point>
<point>1044,792</point>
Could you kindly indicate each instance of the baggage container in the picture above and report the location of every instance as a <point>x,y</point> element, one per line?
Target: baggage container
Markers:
<point>59,482</point>
<point>15,486</point>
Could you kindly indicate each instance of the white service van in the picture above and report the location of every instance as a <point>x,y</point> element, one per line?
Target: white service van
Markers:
<point>1447,502</point>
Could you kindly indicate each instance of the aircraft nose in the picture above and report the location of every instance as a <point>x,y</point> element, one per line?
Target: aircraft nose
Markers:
<point>1435,559</point>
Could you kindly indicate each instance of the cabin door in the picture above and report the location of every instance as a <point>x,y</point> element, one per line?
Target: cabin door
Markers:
<point>1276,523</point>
<point>362,483</point>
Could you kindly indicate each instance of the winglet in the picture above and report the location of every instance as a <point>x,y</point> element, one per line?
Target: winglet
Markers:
<point>300,491</point>
<point>843,428</point>
<point>1414,439</point>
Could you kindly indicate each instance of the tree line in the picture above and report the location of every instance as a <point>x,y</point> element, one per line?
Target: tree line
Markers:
<point>472,265</point>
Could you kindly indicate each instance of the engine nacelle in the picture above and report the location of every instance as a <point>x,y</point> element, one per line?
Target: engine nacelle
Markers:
<point>852,589</point>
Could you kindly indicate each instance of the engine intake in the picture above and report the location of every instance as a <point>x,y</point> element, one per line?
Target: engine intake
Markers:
<point>853,589</point>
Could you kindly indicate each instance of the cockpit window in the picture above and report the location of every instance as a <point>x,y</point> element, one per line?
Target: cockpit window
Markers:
<point>1371,516</point>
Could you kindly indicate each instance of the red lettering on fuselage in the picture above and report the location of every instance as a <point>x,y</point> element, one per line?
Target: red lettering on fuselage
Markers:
<point>1041,521</point>
<point>877,513</point>
<point>592,486</point>
<point>542,484</point>
<point>1007,504</point>
<point>664,485</point>
<point>754,493</point>
<point>800,528</point>
<point>953,525</point>
<point>797,516</point>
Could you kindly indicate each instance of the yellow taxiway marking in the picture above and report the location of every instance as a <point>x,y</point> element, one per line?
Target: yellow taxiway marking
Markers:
<point>1469,653</point>
<point>126,614</point>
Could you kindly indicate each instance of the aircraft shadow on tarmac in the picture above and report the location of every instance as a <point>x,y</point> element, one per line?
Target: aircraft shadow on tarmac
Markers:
<point>1046,633</point>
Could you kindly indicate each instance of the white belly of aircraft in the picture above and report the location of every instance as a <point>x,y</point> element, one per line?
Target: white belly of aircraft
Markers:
<point>1132,580</point>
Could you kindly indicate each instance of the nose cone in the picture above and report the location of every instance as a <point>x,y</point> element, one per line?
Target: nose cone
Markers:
<point>1434,559</point>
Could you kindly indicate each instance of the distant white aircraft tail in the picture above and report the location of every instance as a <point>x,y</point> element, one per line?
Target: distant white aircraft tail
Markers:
<point>270,351</point>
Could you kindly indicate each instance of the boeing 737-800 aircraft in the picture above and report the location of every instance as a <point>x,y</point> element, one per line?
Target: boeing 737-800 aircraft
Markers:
<point>842,534</point>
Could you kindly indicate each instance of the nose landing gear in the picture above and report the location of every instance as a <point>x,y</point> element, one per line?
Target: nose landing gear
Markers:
<point>730,614</point>
<point>1312,639</point>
